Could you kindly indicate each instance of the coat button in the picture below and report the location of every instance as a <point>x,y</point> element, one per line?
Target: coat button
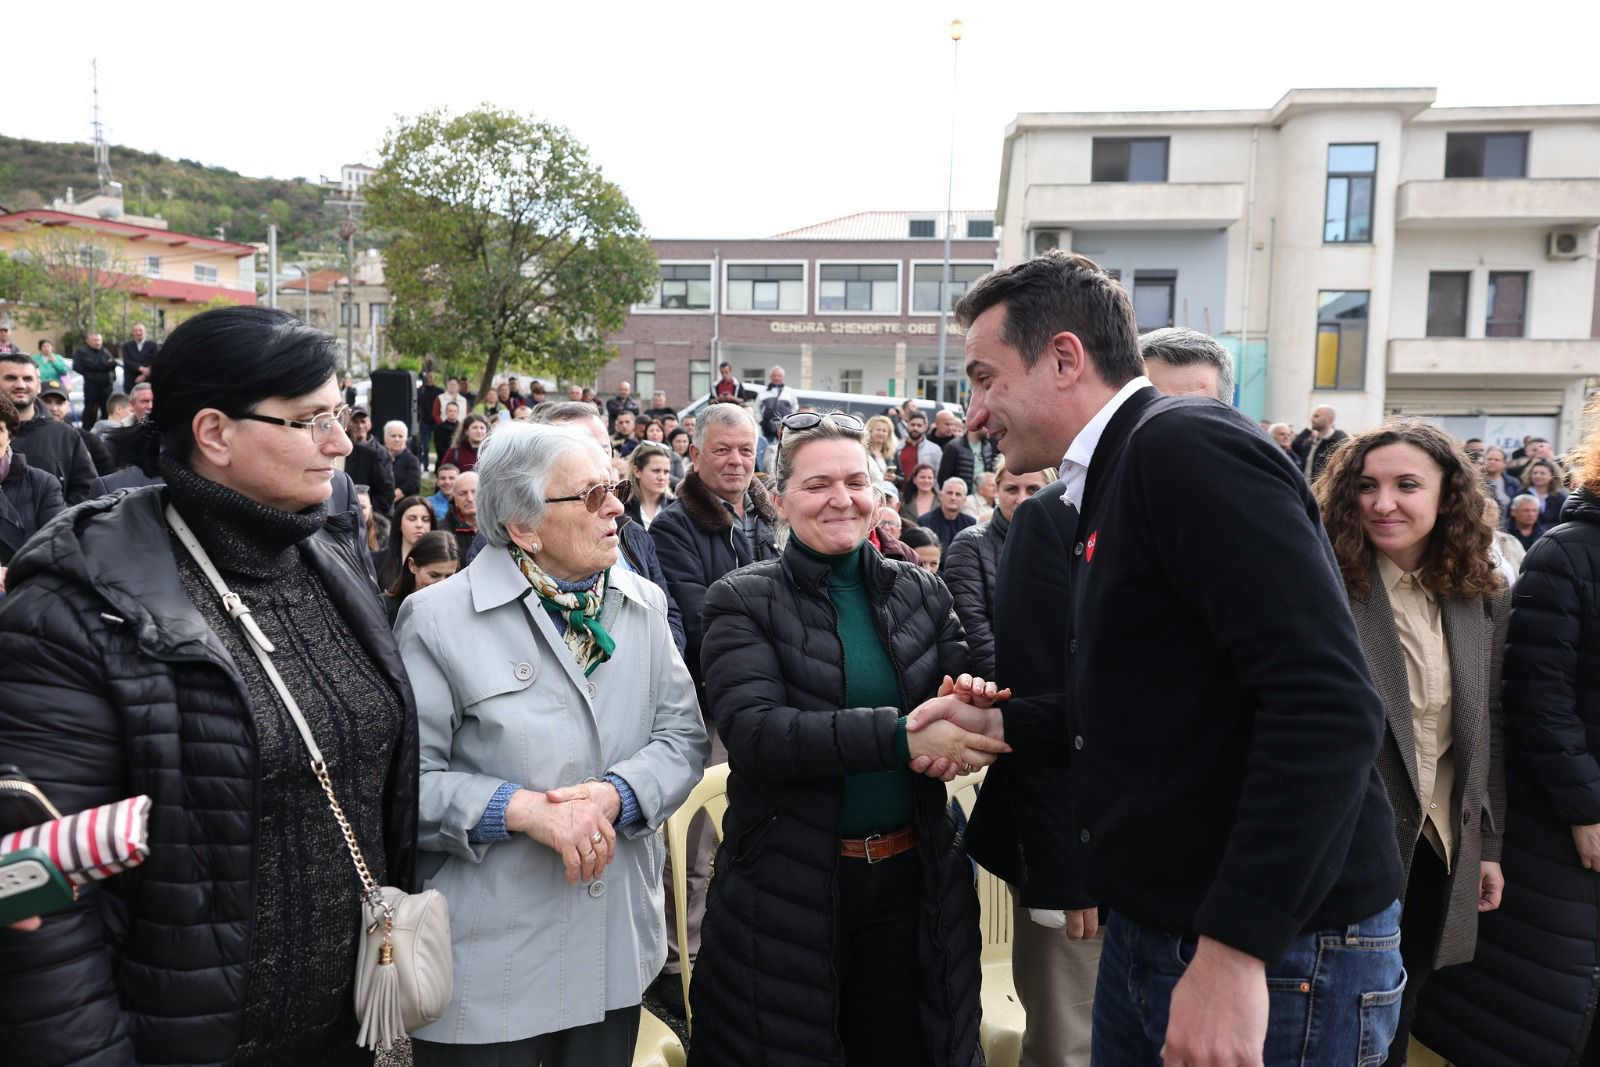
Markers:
<point>1077,742</point>
<point>1077,549</point>
<point>1083,835</point>
<point>524,671</point>
<point>597,889</point>
<point>592,690</point>
<point>1072,646</point>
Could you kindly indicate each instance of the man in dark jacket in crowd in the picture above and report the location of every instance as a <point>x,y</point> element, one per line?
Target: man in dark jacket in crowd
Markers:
<point>59,407</point>
<point>1228,802</point>
<point>50,446</point>
<point>403,462</point>
<point>720,521</point>
<point>1315,445</point>
<point>462,518</point>
<point>136,357</point>
<point>428,413</point>
<point>368,462</point>
<point>623,401</point>
<point>968,456</point>
<point>947,520</point>
<point>97,365</point>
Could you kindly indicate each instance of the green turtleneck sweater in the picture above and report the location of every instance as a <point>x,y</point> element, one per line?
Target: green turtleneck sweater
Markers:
<point>878,801</point>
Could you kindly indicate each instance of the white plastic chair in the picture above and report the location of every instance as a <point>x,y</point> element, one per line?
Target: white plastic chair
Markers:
<point>1003,1018</point>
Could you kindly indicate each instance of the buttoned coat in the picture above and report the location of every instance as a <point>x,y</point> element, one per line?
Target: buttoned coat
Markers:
<point>1475,637</point>
<point>500,698</point>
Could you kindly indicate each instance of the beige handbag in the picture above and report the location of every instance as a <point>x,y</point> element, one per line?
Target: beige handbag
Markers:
<point>403,968</point>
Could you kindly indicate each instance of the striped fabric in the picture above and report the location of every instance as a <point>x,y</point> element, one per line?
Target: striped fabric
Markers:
<point>92,844</point>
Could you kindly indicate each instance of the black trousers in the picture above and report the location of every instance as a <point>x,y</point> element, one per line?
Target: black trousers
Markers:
<point>95,395</point>
<point>607,1043</point>
<point>875,957</point>
<point>1421,923</point>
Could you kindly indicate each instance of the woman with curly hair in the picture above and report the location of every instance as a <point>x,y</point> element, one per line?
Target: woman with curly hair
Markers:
<point>1403,506</point>
<point>880,448</point>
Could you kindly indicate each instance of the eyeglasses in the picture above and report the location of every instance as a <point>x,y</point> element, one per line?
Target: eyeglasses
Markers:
<point>594,497</point>
<point>804,420</point>
<point>321,426</point>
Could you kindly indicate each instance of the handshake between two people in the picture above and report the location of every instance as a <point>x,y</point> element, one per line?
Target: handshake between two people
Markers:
<point>959,730</point>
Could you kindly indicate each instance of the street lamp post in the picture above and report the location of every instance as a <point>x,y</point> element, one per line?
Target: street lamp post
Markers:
<point>956,31</point>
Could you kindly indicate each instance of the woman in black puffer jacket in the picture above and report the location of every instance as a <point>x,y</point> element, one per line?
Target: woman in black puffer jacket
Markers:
<point>235,942</point>
<point>1528,997</point>
<point>841,923</point>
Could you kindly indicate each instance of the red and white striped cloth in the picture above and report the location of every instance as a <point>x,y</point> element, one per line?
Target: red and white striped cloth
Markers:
<point>92,844</point>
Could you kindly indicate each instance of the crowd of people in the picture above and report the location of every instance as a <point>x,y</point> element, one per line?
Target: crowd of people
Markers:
<point>1292,739</point>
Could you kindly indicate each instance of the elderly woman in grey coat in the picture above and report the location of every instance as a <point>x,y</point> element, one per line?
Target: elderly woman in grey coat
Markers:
<point>558,730</point>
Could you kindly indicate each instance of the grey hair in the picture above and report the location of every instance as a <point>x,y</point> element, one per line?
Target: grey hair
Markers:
<point>962,482</point>
<point>792,441</point>
<point>1179,346</point>
<point>140,387</point>
<point>983,477</point>
<point>392,423</point>
<point>555,412</point>
<point>722,415</point>
<point>1520,497</point>
<point>514,468</point>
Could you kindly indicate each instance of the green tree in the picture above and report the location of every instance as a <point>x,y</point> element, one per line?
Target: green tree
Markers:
<point>505,243</point>
<point>74,283</point>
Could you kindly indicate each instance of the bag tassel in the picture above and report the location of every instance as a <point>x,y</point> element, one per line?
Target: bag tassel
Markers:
<point>382,1022</point>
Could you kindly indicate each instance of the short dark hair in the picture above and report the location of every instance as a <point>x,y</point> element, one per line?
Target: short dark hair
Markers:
<point>8,415</point>
<point>1061,292</point>
<point>230,359</point>
<point>1179,346</point>
<point>16,357</point>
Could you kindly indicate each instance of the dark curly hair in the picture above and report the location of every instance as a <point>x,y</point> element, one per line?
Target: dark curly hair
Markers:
<point>1456,562</point>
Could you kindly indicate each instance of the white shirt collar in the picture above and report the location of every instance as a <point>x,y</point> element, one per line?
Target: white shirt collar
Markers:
<point>1075,463</point>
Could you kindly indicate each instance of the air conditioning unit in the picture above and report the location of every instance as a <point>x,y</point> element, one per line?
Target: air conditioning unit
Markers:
<point>1046,241</point>
<point>1568,244</point>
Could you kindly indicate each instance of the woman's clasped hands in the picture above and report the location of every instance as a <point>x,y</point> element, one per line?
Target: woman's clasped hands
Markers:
<point>959,730</point>
<point>575,822</point>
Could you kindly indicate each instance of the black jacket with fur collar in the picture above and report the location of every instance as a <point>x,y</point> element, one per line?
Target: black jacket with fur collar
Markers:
<point>698,542</point>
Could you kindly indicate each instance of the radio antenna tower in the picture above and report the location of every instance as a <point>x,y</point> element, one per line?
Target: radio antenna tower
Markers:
<point>102,151</point>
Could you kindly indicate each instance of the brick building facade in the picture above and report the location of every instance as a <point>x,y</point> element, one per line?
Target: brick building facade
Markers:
<point>850,305</point>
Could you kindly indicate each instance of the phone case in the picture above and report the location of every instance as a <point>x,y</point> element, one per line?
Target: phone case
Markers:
<point>31,885</point>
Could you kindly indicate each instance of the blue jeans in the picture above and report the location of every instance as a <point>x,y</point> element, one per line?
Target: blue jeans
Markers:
<point>1335,995</point>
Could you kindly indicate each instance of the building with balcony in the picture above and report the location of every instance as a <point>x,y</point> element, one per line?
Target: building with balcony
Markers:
<point>359,312</point>
<point>1355,247</point>
<point>849,305</point>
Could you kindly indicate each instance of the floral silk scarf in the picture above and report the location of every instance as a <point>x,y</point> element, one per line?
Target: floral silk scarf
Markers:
<point>586,638</point>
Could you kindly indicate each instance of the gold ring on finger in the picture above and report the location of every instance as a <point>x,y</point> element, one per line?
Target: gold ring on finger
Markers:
<point>596,837</point>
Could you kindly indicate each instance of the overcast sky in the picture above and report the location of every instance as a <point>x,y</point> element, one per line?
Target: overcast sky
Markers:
<point>735,119</point>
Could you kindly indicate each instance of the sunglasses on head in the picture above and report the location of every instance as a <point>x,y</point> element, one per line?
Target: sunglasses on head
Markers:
<point>594,497</point>
<point>805,420</point>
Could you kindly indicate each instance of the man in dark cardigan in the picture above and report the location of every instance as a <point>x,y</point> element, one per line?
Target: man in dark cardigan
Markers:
<point>1219,719</point>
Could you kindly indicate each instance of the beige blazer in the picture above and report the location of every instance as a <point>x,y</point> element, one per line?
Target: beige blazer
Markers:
<point>1475,634</point>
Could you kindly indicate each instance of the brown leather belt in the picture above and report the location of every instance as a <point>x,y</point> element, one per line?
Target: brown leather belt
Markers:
<point>879,847</point>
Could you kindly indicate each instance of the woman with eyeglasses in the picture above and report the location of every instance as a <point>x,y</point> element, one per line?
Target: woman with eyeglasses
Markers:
<point>841,923</point>
<point>236,941</point>
<point>559,729</point>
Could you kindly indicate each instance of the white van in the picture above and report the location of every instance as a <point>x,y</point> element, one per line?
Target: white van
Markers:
<point>861,405</point>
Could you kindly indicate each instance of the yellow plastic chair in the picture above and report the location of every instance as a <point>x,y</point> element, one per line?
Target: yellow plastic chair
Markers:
<point>1003,1018</point>
<point>710,796</point>
<point>657,1046</point>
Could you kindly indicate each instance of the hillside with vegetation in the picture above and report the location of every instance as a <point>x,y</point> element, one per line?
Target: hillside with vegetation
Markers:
<point>191,196</point>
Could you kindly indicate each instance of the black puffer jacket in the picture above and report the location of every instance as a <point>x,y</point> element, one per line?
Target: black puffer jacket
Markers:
<point>1529,995</point>
<point>969,568</point>
<point>28,499</point>
<point>151,965</point>
<point>775,679</point>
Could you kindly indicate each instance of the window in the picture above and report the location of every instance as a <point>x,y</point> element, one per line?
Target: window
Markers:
<point>1129,159</point>
<point>925,283</point>
<point>928,379</point>
<point>850,381</point>
<point>94,254</point>
<point>699,378</point>
<point>152,266</point>
<point>1349,212</point>
<point>766,287</point>
<point>1153,298</point>
<point>1341,340</point>
<point>683,287</point>
<point>922,228</point>
<point>644,377</point>
<point>1508,304</point>
<point>350,314</point>
<point>1447,303</point>
<point>1486,155</point>
<point>980,228</point>
<point>752,374</point>
<point>378,314</point>
<point>858,287</point>
<point>204,275</point>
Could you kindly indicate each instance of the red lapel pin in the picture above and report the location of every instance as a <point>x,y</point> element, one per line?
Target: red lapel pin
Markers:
<point>1088,548</point>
